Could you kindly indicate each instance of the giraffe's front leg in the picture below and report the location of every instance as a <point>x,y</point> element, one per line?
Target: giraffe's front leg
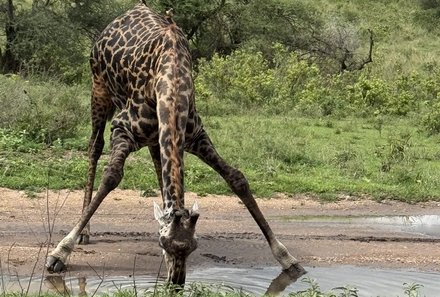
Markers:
<point>102,108</point>
<point>57,259</point>
<point>121,146</point>
<point>204,149</point>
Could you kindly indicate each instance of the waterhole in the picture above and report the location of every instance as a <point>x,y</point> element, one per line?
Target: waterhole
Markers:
<point>424,225</point>
<point>428,225</point>
<point>368,281</point>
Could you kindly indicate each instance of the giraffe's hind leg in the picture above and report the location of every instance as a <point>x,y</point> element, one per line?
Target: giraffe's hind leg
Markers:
<point>102,108</point>
<point>203,148</point>
<point>121,146</point>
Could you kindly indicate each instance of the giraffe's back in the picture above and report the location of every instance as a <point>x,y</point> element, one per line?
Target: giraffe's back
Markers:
<point>128,52</point>
<point>135,55</point>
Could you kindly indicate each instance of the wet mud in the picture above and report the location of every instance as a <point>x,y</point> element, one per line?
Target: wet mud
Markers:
<point>124,238</point>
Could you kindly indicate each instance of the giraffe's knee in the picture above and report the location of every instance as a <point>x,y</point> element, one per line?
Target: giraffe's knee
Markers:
<point>238,183</point>
<point>112,177</point>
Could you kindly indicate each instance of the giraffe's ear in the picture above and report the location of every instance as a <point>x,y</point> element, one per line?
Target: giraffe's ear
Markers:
<point>195,207</point>
<point>158,213</point>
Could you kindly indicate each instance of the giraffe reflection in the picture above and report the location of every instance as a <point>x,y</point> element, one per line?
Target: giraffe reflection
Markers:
<point>57,285</point>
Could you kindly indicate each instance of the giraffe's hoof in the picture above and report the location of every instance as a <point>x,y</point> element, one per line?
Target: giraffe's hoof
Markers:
<point>55,265</point>
<point>83,239</point>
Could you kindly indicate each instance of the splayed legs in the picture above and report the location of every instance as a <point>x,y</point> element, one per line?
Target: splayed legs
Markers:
<point>204,149</point>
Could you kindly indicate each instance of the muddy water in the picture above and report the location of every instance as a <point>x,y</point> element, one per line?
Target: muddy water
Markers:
<point>427,225</point>
<point>368,281</point>
<point>423,225</point>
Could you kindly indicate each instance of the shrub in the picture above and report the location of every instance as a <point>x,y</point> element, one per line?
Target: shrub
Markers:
<point>431,118</point>
<point>370,94</point>
<point>285,83</point>
<point>44,112</point>
<point>245,79</point>
<point>242,78</point>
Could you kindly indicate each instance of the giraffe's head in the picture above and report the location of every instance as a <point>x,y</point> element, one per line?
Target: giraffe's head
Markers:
<point>176,237</point>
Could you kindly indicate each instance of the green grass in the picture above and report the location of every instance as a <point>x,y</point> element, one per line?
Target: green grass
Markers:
<point>287,154</point>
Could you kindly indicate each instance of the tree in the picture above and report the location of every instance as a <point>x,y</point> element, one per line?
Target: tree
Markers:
<point>8,61</point>
<point>91,17</point>
<point>330,42</point>
<point>206,24</point>
<point>39,40</point>
<point>54,36</point>
<point>337,47</point>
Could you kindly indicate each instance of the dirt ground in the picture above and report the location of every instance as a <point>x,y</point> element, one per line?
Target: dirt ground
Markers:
<point>125,239</point>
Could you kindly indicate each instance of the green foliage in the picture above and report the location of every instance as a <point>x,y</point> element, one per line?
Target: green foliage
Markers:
<point>286,84</point>
<point>279,21</point>
<point>46,44</point>
<point>242,79</point>
<point>91,17</point>
<point>245,79</point>
<point>371,94</point>
<point>191,289</point>
<point>431,118</point>
<point>377,96</point>
<point>42,112</point>
<point>19,141</point>
<point>412,290</point>
<point>52,38</point>
<point>396,151</point>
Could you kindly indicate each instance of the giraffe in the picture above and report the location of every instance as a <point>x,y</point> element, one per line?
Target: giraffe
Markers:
<point>141,66</point>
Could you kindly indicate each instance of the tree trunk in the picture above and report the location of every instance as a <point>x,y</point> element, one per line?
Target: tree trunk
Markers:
<point>8,61</point>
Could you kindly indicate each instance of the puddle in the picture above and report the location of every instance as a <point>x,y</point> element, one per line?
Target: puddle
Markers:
<point>369,281</point>
<point>424,225</point>
<point>428,225</point>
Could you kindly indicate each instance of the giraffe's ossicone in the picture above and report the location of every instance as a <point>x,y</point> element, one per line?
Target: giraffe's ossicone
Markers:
<point>142,72</point>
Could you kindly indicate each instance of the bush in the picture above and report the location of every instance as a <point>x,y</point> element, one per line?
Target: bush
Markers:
<point>43,112</point>
<point>243,79</point>
<point>285,83</point>
<point>431,119</point>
